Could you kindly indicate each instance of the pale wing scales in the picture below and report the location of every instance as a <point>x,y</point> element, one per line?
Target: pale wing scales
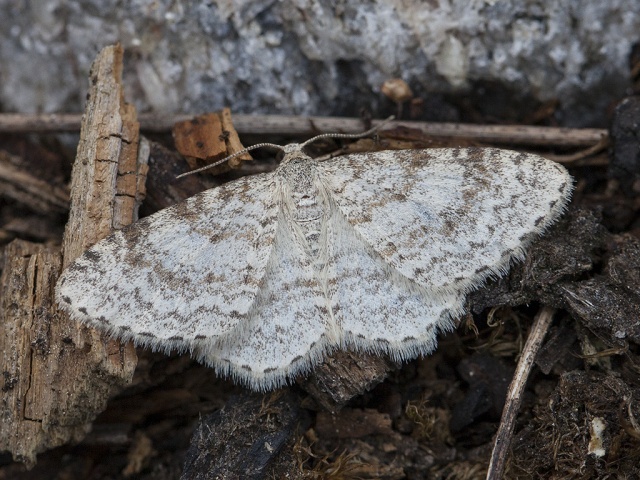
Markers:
<point>191,271</point>
<point>377,308</point>
<point>448,218</point>
<point>288,327</point>
<point>243,277</point>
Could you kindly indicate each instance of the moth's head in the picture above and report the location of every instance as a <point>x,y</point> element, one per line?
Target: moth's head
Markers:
<point>291,148</point>
<point>293,154</point>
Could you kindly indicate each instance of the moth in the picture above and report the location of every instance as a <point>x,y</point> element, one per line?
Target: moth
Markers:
<point>263,276</point>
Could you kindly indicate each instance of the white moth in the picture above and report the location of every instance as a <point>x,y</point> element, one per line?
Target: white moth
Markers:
<point>262,277</point>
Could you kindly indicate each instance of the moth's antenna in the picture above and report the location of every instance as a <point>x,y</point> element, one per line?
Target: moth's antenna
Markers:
<point>349,135</point>
<point>273,145</point>
<point>245,150</point>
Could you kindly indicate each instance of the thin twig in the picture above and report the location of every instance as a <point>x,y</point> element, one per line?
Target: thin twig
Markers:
<point>307,126</point>
<point>603,144</point>
<point>541,324</point>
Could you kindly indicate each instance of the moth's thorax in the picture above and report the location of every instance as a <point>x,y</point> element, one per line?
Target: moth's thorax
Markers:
<point>293,155</point>
<point>299,178</point>
<point>305,202</point>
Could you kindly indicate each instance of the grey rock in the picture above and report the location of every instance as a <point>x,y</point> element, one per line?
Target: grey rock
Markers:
<point>321,57</point>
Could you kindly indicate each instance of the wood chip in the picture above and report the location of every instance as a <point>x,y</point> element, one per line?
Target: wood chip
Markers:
<point>207,138</point>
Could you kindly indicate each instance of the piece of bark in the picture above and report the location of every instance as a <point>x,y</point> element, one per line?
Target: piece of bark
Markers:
<point>207,138</point>
<point>31,404</point>
<point>608,304</point>
<point>606,309</point>
<point>232,139</point>
<point>106,178</point>
<point>107,186</point>
<point>345,375</point>
<point>200,140</point>
<point>62,373</point>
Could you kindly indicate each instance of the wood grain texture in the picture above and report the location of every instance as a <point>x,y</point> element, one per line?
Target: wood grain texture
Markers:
<point>59,374</point>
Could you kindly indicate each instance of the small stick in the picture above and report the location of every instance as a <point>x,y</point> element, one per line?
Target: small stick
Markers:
<point>308,126</point>
<point>541,324</point>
